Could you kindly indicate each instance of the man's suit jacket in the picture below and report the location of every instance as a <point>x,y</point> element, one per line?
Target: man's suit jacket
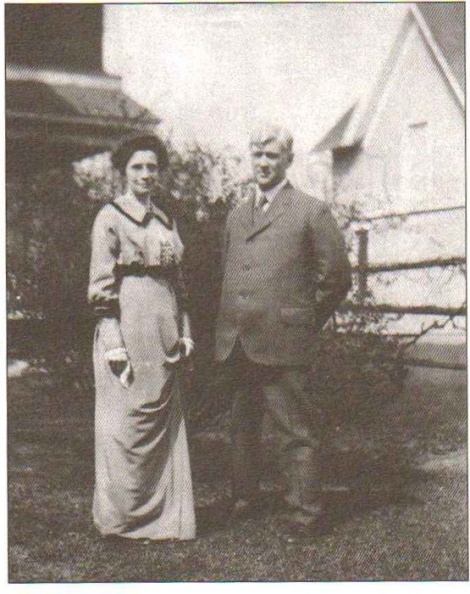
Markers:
<point>285,272</point>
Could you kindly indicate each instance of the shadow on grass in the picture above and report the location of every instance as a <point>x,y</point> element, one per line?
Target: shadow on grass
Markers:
<point>357,481</point>
<point>216,517</point>
<point>368,469</point>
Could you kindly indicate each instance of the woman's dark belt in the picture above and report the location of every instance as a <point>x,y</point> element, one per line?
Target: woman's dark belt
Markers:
<point>111,308</point>
<point>136,269</point>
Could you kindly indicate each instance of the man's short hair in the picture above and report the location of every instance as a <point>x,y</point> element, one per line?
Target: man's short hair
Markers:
<point>265,133</point>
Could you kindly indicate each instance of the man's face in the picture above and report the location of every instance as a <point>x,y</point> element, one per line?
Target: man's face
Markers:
<point>270,162</point>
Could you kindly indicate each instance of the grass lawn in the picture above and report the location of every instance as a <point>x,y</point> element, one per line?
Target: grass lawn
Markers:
<point>403,515</point>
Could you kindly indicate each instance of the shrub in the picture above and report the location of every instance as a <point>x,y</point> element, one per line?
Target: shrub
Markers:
<point>54,215</point>
<point>357,375</point>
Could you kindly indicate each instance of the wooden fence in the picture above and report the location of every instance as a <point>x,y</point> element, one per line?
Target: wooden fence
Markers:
<point>364,269</point>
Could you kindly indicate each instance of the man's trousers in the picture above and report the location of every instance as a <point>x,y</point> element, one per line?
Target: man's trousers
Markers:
<point>287,395</point>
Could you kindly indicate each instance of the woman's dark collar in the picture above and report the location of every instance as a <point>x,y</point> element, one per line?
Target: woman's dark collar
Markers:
<point>129,206</point>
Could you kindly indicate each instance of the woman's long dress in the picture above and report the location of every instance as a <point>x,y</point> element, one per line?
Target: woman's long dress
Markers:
<point>143,483</point>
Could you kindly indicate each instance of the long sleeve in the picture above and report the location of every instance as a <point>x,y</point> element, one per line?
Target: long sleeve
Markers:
<point>103,288</point>
<point>331,266</point>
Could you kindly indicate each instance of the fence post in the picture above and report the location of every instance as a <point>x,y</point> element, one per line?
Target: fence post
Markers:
<point>362,262</point>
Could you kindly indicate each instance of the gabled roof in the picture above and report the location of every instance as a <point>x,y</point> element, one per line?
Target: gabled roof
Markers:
<point>443,28</point>
<point>336,135</point>
<point>446,23</point>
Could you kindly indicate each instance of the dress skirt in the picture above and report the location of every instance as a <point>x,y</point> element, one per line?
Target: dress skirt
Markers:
<point>143,483</point>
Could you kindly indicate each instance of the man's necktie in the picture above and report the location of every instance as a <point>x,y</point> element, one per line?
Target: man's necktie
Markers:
<point>259,209</point>
<point>262,202</point>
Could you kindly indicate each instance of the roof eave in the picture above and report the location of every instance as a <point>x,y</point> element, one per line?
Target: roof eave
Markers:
<point>348,135</point>
<point>350,146</point>
<point>51,76</point>
<point>439,56</point>
<point>99,121</point>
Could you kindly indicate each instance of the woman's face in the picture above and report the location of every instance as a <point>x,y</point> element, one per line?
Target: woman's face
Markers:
<point>142,173</point>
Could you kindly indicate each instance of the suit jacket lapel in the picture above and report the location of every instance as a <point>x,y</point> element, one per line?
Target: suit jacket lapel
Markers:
<point>276,209</point>
<point>246,213</point>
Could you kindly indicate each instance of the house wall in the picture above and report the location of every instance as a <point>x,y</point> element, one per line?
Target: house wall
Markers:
<point>416,93</point>
<point>391,174</point>
<point>65,35</point>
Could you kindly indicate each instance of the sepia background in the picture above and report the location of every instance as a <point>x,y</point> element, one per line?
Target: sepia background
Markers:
<point>375,97</point>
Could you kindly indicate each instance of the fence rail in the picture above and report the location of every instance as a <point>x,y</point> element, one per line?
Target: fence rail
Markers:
<point>397,266</point>
<point>404,309</point>
<point>363,269</point>
<point>436,364</point>
<point>411,213</point>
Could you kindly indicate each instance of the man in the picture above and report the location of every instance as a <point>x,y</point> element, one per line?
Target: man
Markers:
<point>285,272</point>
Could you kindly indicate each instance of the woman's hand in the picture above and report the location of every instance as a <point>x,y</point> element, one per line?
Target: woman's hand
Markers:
<point>182,350</point>
<point>120,365</point>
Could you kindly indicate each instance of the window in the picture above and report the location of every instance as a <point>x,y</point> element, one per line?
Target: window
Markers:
<point>416,166</point>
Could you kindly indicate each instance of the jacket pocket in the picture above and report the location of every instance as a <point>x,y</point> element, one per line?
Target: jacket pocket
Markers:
<point>298,316</point>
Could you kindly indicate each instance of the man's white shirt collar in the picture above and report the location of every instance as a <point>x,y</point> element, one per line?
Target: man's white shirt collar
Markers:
<point>269,195</point>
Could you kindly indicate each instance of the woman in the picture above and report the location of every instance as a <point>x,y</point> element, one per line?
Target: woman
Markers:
<point>143,486</point>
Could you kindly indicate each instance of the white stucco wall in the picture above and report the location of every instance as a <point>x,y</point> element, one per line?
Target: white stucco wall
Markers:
<point>417,94</point>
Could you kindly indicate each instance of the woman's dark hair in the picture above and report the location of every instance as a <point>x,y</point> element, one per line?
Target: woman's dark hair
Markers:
<point>128,147</point>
